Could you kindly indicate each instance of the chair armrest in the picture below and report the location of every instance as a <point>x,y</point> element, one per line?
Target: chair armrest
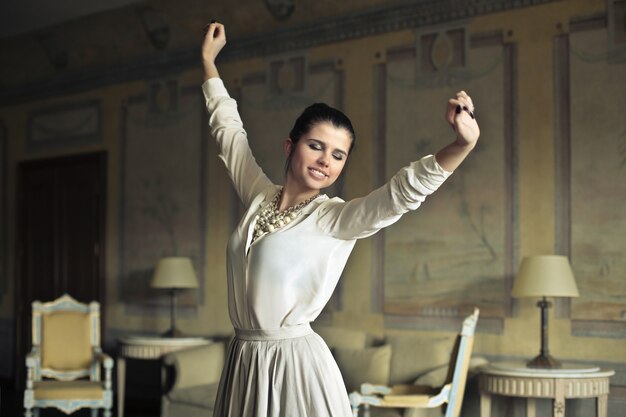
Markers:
<point>33,367</point>
<point>107,363</point>
<point>33,358</point>
<point>104,359</point>
<point>196,366</point>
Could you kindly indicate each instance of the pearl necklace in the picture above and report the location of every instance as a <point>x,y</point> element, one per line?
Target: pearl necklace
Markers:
<point>271,219</point>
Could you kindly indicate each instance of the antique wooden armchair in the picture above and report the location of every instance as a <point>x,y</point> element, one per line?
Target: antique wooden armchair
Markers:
<point>63,367</point>
<point>416,396</point>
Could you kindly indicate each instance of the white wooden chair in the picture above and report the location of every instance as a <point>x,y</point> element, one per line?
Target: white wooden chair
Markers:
<point>63,367</point>
<point>416,396</point>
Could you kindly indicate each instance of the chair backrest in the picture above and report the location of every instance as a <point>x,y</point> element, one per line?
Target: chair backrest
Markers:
<point>66,332</point>
<point>459,364</point>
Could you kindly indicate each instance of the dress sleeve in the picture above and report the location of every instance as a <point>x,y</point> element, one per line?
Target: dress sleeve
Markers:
<point>362,217</point>
<point>227,129</point>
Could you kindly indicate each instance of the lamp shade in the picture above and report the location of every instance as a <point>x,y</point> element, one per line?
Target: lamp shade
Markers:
<point>545,276</point>
<point>174,272</point>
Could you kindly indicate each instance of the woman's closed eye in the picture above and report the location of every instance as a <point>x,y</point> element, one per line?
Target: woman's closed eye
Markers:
<point>319,147</point>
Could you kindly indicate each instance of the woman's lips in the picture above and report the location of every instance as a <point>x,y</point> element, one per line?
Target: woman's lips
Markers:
<point>317,173</point>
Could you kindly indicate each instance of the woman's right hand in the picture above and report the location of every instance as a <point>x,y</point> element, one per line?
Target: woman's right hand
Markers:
<point>214,41</point>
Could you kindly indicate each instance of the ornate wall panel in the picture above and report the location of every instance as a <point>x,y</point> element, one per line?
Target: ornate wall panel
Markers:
<point>65,126</point>
<point>457,250</point>
<point>163,181</point>
<point>597,181</point>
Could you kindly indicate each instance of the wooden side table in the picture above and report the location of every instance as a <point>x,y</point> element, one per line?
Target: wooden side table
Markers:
<point>513,379</point>
<point>148,348</point>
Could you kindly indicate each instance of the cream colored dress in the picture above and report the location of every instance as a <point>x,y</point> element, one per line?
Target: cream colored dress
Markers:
<point>276,365</point>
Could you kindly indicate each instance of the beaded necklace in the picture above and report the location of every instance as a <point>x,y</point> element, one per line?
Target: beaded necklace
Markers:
<point>271,219</point>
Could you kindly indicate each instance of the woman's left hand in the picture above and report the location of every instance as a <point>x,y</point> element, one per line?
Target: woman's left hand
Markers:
<point>461,117</point>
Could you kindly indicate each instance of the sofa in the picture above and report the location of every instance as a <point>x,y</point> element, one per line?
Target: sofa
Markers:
<point>395,358</point>
<point>192,378</point>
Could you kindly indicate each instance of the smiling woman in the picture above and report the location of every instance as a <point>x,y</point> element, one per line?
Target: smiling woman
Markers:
<point>289,250</point>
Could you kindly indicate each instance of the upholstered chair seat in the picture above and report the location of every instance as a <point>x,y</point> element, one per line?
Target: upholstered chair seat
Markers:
<point>70,390</point>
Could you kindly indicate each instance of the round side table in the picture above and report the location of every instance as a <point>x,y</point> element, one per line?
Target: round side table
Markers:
<point>514,379</point>
<point>149,348</point>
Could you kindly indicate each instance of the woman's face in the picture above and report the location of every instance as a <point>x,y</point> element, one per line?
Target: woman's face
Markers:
<point>319,157</point>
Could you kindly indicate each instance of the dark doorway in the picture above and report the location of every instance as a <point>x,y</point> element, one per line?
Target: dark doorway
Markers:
<point>60,238</point>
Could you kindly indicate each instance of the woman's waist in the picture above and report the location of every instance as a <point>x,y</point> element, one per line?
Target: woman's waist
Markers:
<point>281,333</point>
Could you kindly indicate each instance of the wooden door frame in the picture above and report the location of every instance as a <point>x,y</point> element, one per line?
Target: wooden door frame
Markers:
<point>101,158</point>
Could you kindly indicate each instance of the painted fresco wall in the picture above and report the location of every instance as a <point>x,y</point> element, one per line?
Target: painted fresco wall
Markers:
<point>546,177</point>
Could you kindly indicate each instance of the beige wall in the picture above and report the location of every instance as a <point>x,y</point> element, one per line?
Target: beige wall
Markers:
<point>531,29</point>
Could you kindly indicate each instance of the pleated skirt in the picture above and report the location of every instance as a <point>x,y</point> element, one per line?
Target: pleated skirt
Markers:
<point>288,372</point>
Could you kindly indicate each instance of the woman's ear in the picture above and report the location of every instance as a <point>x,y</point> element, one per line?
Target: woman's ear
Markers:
<point>288,146</point>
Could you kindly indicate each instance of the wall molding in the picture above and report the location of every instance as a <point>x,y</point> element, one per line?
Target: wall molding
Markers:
<point>372,22</point>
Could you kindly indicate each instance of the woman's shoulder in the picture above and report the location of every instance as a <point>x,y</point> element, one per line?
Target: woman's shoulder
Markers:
<point>332,200</point>
<point>265,195</point>
<point>326,203</point>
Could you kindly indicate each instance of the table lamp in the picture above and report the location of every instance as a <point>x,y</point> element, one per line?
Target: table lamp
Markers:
<point>174,273</point>
<point>544,276</point>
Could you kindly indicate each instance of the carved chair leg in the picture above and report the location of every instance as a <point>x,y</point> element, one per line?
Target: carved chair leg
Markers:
<point>94,412</point>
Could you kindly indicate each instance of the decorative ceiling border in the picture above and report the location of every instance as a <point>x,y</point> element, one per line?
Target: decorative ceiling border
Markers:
<point>416,14</point>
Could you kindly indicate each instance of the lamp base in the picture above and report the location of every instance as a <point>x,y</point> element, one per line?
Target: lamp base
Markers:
<point>173,332</point>
<point>543,362</point>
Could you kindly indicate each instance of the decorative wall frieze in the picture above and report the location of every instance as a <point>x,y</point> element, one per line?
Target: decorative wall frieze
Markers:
<point>280,9</point>
<point>413,15</point>
<point>372,22</point>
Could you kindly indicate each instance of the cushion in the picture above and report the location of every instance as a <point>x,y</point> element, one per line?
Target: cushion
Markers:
<point>414,355</point>
<point>68,390</point>
<point>364,365</point>
<point>197,366</point>
<point>336,337</point>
